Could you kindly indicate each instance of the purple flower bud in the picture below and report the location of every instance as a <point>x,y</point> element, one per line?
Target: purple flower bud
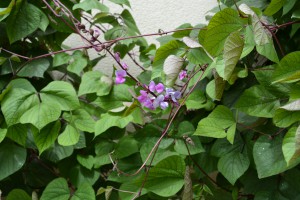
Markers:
<point>125,66</point>
<point>164,105</point>
<point>96,33</point>
<point>152,86</point>
<point>117,56</point>
<point>182,74</point>
<point>160,88</point>
<point>120,74</point>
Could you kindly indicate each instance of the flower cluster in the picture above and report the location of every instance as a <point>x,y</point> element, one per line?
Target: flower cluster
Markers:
<point>164,96</point>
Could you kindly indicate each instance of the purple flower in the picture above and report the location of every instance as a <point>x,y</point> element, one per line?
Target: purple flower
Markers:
<point>159,88</point>
<point>159,101</point>
<point>120,74</point>
<point>182,74</point>
<point>117,56</point>
<point>173,94</point>
<point>145,100</point>
<point>152,86</point>
<point>96,33</point>
<point>125,66</point>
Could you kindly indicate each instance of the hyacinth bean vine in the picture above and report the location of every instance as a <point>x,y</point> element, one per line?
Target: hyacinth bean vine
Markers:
<point>213,113</point>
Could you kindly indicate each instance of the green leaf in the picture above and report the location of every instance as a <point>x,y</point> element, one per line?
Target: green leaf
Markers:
<point>219,28</point>
<point>125,147</point>
<point>268,156</point>
<point>185,128</point>
<point>57,189</point>
<point>274,7</point>
<point>215,88</point>
<point>47,136</point>
<point>57,152</point>
<point>12,158</point>
<point>62,93</point>
<point>108,120</point>
<point>129,21</point>
<point>257,101</point>
<point>80,119</point>
<point>291,146</point>
<point>172,67</point>
<point>41,114</point>
<point>15,103</point>
<point>35,68</point>
<point>288,70</point>
<point>23,21</point>
<point>167,177</point>
<point>117,96</point>
<point>198,56</point>
<point>17,194</point>
<point>18,133</point>
<point>233,165</point>
<point>60,59</point>
<point>78,64</point>
<point>85,191</point>
<point>2,134</point>
<point>95,82</point>
<point>288,6</point>
<point>268,50</point>
<point>70,136</point>
<point>173,47</point>
<point>88,5</point>
<point>196,100</point>
<point>233,49</point>
<point>86,161</point>
<point>217,124</point>
<point>194,146</point>
<point>121,2</point>
<point>79,175</point>
<point>8,9</point>
<point>284,118</point>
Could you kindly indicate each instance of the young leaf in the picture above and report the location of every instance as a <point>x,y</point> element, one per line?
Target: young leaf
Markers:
<point>233,165</point>
<point>288,70</point>
<point>129,21</point>
<point>257,101</point>
<point>171,181</point>
<point>172,67</point>
<point>86,161</point>
<point>291,146</point>
<point>95,82</point>
<point>56,189</point>
<point>233,49</point>
<point>217,123</point>
<point>219,28</point>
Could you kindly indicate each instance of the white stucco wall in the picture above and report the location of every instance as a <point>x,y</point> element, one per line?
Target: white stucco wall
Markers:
<point>153,15</point>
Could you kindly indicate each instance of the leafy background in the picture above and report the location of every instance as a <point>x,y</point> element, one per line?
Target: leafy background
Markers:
<point>69,132</point>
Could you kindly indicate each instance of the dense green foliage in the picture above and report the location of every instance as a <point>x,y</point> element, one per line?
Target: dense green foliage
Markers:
<point>67,131</point>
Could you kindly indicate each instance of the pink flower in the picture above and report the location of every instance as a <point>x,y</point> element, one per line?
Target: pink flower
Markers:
<point>120,74</point>
<point>182,75</point>
<point>152,86</point>
<point>96,33</point>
